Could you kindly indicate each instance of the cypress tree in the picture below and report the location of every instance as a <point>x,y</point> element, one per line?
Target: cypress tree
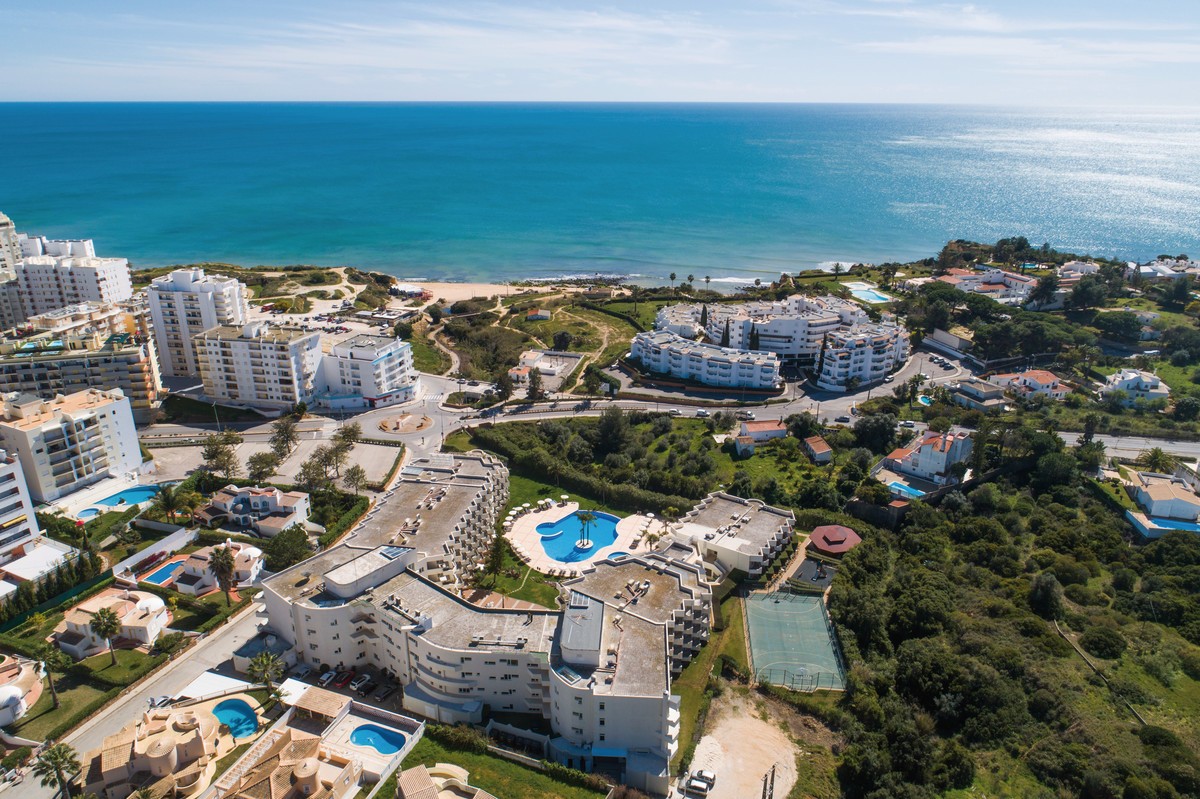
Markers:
<point>725,335</point>
<point>704,316</point>
<point>753,337</point>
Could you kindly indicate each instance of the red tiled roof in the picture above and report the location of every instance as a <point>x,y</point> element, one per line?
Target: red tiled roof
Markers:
<point>817,444</point>
<point>765,426</point>
<point>834,539</point>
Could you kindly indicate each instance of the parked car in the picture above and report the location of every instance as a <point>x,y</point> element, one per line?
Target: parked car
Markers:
<point>843,419</point>
<point>327,678</point>
<point>387,691</point>
<point>696,788</point>
<point>359,681</point>
<point>705,776</point>
<point>343,679</point>
<point>702,414</point>
<point>745,416</point>
<point>303,672</point>
<point>368,689</point>
<point>908,423</point>
<point>675,412</point>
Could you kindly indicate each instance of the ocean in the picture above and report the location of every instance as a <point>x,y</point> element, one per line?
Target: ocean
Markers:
<point>517,191</point>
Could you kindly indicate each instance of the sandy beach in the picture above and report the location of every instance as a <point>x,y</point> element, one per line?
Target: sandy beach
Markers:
<point>453,292</point>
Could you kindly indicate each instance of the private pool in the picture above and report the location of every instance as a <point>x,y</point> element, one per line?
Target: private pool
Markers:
<point>238,716</point>
<point>559,538</point>
<point>382,740</point>
<point>87,513</point>
<point>925,400</point>
<point>163,574</point>
<point>907,490</point>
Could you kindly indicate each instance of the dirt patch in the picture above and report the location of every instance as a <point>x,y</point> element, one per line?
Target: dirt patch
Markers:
<point>744,739</point>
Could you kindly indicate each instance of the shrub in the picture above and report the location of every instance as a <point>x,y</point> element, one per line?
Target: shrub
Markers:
<point>17,757</point>
<point>572,777</point>
<point>459,736</point>
<point>1103,642</point>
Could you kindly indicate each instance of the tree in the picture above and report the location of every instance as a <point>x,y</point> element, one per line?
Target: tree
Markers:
<point>562,340</point>
<point>1157,460</point>
<point>218,454</point>
<point>704,317</point>
<point>504,386</point>
<point>586,517</point>
<point>725,335</point>
<point>837,268</point>
<point>106,625</point>
<point>591,381</point>
<point>1091,423</point>
<point>1046,596</point>
<point>52,659</point>
<point>495,561</point>
<point>672,281</point>
<point>190,501</point>
<point>312,476</point>
<point>348,434</point>
<point>221,564</point>
<point>1119,325</point>
<point>534,392</point>
<point>876,432</point>
<point>707,281</point>
<point>57,765</point>
<point>265,668</point>
<point>261,465</point>
<point>754,342</point>
<point>1055,469</point>
<point>1043,292</point>
<point>166,501</point>
<point>1103,642</point>
<point>1186,409</point>
<point>803,425</point>
<point>287,549</point>
<point>691,279</point>
<point>284,436</point>
<point>355,478</point>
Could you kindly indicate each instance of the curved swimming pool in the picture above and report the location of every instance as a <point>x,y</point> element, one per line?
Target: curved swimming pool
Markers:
<point>558,538</point>
<point>129,496</point>
<point>238,716</point>
<point>382,740</point>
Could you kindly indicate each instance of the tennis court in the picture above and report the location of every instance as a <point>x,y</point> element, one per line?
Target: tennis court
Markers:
<point>791,642</point>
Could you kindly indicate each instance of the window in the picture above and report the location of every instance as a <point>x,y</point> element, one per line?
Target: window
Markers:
<point>601,736</point>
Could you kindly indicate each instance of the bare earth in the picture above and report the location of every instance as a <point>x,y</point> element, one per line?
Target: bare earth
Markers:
<point>741,748</point>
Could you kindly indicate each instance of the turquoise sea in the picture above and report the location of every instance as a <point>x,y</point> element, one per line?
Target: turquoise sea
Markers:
<point>503,191</point>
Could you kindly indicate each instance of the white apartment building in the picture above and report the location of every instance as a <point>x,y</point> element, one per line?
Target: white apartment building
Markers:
<point>18,525</point>
<point>1137,385</point>
<point>861,354</point>
<point>1007,287</point>
<point>10,248</point>
<point>666,353</point>
<point>108,319</point>
<point>50,363</point>
<point>731,533</point>
<point>187,302</point>
<point>69,442</point>
<point>258,366</point>
<point>367,371</point>
<point>34,246</point>
<point>48,282</point>
<point>931,458</point>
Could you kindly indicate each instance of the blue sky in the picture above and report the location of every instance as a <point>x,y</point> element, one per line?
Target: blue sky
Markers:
<point>1025,52</point>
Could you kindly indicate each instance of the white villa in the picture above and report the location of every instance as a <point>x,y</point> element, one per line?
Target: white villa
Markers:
<point>197,578</point>
<point>1167,497</point>
<point>1000,285</point>
<point>931,458</point>
<point>267,511</point>
<point>1032,383</point>
<point>143,617</point>
<point>1137,385</point>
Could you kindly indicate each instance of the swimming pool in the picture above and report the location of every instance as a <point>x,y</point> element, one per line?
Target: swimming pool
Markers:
<point>558,538</point>
<point>163,574</point>
<point>87,513</point>
<point>1175,524</point>
<point>617,555</point>
<point>238,716</point>
<point>130,496</point>
<point>867,293</point>
<point>906,489</point>
<point>924,400</point>
<point>383,741</point>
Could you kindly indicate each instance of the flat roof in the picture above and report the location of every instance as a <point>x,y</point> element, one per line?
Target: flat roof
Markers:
<point>757,523</point>
<point>610,583</point>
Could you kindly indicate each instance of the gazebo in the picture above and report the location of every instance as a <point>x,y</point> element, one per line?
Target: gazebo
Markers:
<point>833,539</point>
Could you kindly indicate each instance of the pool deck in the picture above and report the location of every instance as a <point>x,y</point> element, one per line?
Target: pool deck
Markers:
<point>174,559</point>
<point>338,738</point>
<point>527,542</point>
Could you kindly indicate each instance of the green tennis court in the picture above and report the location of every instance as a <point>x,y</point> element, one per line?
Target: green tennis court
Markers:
<point>791,642</point>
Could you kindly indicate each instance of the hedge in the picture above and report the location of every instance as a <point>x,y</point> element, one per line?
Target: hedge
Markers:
<point>387,478</point>
<point>570,776</point>
<point>344,522</point>
<point>459,736</point>
<point>78,593</point>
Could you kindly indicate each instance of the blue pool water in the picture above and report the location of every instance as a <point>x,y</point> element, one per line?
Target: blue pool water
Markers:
<point>867,293</point>
<point>924,400</point>
<point>558,538</point>
<point>615,555</point>
<point>163,573</point>
<point>87,513</point>
<point>131,496</point>
<point>238,716</point>
<point>1175,524</point>
<point>903,489</point>
<point>384,741</point>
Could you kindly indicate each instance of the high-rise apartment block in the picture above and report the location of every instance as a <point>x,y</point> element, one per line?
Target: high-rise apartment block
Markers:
<point>257,365</point>
<point>187,302</point>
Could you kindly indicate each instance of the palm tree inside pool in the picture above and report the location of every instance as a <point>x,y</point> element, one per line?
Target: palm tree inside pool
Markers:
<point>586,517</point>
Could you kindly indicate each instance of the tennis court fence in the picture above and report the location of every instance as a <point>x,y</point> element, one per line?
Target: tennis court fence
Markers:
<point>803,683</point>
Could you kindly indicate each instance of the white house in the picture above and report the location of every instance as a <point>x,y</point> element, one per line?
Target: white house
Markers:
<point>1137,385</point>
<point>367,371</point>
<point>931,457</point>
<point>197,578</point>
<point>1000,285</point>
<point>69,442</point>
<point>818,449</point>
<point>186,302</point>
<point>258,366</point>
<point>666,353</point>
<point>1167,497</point>
<point>143,617</point>
<point>1032,383</point>
<point>268,511</point>
<point>753,433</point>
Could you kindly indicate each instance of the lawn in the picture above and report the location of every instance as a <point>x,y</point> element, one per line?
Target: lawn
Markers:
<point>734,646</point>
<point>426,357</point>
<point>76,698</point>
<point>131,666</point>
<point>176,408</point>
<point>496,775</point>
<point>530,585</point>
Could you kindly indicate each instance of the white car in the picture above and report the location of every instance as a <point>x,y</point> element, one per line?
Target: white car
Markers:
<point>327,678</point>
<point>702,414</point>
<point>705,776</point>
<point>360,681</point>
<point>696,787</point>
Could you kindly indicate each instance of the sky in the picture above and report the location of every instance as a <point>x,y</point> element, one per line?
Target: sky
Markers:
<point>1008,52</point>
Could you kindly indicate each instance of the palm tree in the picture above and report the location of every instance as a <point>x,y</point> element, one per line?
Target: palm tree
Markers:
<point>106,625</point>
<point>221,564</point>
<point>838,269</point>
<point>52,659</point>
<point>672,281</point>
<point>166,501</point>
<point>691,279</point>
<point>191,501</point>
<point>707,281</point>
<point>265,668</point>
<point>586,517</point>
<point>57,765</point>
<point>1157,460</point>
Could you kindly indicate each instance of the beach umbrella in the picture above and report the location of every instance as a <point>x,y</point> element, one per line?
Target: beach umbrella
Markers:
<point>525,505</point>
<point>565,497</point>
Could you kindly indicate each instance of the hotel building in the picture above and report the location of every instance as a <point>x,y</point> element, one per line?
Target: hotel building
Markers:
<point>258,366</point>
<point>70,442</point>
<point>47,364</point>
<point>666,353</point>
<point>861,354</point>
<point>18,525</point>
<point>187,302</point>
<point>48,282</point>
<point>367,372</point>
<point>10,248</point>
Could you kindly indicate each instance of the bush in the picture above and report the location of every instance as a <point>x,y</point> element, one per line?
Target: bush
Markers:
<point>1103,642</point>
<point>572,777</point>
<point>17,757</point>
<point>459,736</point>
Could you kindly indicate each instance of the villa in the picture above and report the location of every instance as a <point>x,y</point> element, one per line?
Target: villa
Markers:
<point>267,511</point>
<point>1136,385</point>
<point>434,782</point>
<point>1032,383</point>
<point>978,395</point>
<point>1000,285</point>
<point>755,433</point>
<point>143,617</point>
<point>197,578</point>
<point>932,457</point>
<point>1167,497</point>
<point>296,766</point>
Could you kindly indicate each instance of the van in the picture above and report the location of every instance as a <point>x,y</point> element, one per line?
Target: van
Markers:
<point>745,416</point>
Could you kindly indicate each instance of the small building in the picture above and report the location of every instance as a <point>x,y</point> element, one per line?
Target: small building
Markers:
<point>1032,383</point>
<point>833,539</point>
<point>297,765</point>
<point>267,511</point>
<point>143,617</point>
<point>1137,385</point>
<point>434,782</point>
<point>978,395</point>
<point>537,315</point>
<point>754,433</point>
<point>197,577</point>
<point>1166,497</point>
<point>519,374</point>
<point>818,449</point>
